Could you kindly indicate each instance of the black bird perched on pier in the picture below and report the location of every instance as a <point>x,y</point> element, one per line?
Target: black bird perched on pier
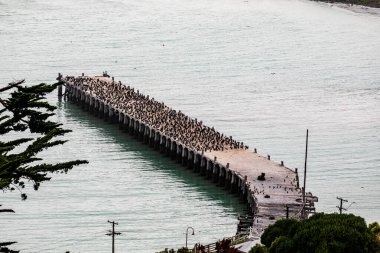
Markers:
<point>105,74</point>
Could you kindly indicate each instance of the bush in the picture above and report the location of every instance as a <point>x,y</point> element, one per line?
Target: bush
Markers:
<point>280,228</point>
<point>258,248</point>
<point>322,233</point>
<point>374,227</point>
<point>183,250</point>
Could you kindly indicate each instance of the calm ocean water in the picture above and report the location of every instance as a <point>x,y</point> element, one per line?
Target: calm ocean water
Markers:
<point>262,71</point>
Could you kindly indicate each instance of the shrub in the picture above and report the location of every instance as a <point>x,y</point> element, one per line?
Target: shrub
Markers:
<point>322,233</point>
<point>258,248</point>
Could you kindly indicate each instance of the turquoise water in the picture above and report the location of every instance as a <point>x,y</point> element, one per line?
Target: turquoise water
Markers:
<point>262,71</point>
<point>151,197</point>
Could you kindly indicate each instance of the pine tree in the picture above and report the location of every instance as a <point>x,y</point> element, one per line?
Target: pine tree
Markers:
<point>26,110</point>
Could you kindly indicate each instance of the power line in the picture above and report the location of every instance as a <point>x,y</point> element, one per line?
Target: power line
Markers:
<point>113,233</point>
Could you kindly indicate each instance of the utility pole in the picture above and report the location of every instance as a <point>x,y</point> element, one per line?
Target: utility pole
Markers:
<point>113,233</point>
<point>340,207</point>
<point>287,212</point>
<point>304,176</point>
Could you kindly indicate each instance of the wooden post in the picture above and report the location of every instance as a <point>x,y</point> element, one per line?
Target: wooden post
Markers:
<point>59,78</point>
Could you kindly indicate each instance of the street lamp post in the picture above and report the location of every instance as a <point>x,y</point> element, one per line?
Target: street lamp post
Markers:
<point>187,232</point>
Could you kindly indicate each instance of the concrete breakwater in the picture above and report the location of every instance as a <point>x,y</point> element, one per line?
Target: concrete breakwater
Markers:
<point>270,190</point>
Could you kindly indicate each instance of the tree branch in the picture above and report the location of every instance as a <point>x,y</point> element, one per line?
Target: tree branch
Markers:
<point>12,85</point>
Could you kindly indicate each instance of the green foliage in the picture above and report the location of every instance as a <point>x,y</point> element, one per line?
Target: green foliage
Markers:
<point>280,228</point>
<point>281,244</point>
<point>4,247</point>
<point>183,250</point>
<point>339,233</point>
<point>374,227</point>
<point>322,233</point>
<point>258,248</point>
<point>26,110</point>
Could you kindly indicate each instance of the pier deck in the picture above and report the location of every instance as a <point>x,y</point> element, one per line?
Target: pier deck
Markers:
<point>270,189</point>
<point>272,196</point>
